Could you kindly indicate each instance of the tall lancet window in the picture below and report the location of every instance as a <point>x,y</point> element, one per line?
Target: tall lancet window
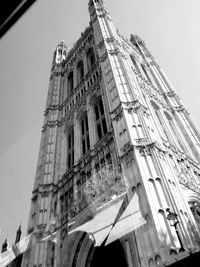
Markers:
<point>70,148</point>
<point>85,139</point>
<point>100,119</point>
<point>70,83</point>
<point>90,58</point>
<point>80,71</point>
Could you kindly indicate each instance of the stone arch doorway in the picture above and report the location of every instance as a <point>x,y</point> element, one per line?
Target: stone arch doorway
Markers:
<point>110,255</point>
<point>79,251</point>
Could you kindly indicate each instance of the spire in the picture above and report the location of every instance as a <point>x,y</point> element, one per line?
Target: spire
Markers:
<point>4,246</point>
<point>18,235</point>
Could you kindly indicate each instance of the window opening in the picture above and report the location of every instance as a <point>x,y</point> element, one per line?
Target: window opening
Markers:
<point>100,119</point>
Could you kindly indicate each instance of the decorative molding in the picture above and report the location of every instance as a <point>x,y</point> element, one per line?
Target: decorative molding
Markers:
<point>146,147</point>
<point>117,113</point>
<point>179,108</point>
<point>94,97</point>
<point>102,15</point>
<point>103,57</point>
<point>101,44</point>
<point>126,148</point>
<point>81,110</point>
<point>122,132</point>
<point>188,182</point>
<point>171,94</point>
<point>142,141</point>
<point>133,106</point>
<point>110,39</point>
<point>151,91</point>
<point>127,154</point>
<point>113,51</point>
<point>135,39</point>
<point>94,18</point>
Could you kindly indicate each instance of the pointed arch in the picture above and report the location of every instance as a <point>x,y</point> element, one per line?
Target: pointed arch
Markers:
<point>100,119</point>
<point>80,71</point>
<point>90,58</point>
<point>70,83</point>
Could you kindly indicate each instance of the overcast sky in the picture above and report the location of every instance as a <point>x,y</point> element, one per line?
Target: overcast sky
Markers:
<point>170,29</point>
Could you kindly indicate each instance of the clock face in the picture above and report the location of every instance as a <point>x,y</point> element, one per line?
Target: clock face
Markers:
<point>196,212</point>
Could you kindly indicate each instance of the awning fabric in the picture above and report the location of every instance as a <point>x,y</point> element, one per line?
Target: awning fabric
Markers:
<point>17,249</point>
<point>101,224</point>
<point>109,224</point>
<point>130,220</point>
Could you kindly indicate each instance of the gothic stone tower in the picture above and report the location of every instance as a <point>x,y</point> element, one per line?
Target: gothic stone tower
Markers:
<point>110,107</point>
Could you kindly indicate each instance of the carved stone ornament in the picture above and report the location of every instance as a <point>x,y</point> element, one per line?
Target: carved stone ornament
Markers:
<point>142,141</point>
<point>103,57</point>
<point>150,89</point>
<point>146,147</point>
<point>117,113</point>
<point>101,44</point>
<point>187,181</point>
<point>127,148</point>
<point>128,158</point>
<point>132,106</point>
<point>142,152</point>
<point>179,108</point>
<point>110,39</point>
<point>113,51</point>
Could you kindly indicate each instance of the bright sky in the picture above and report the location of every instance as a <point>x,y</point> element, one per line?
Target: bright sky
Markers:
<point>171,31</point>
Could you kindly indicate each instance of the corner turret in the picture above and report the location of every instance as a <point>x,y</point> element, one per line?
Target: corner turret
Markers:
<point>18,235</point>
<point>61,52</point>
<point>4,246</point>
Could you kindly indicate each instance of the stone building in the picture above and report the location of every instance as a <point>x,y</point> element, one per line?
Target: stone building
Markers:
<point>117,180</point>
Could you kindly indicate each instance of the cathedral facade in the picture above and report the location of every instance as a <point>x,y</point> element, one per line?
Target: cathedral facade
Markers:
<point>117,179</point>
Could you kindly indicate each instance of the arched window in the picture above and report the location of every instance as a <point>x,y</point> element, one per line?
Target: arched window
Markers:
<point>85,140</point>
<point>70,83</point>
<point>90,58</point>
<point>70,148</point>
<point>80,71</point>
<point>100,119</point>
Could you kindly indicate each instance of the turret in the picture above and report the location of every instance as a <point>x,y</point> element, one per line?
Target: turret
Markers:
<point>60,53</point>
<point>4,246</point>
<point>18,235</point>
